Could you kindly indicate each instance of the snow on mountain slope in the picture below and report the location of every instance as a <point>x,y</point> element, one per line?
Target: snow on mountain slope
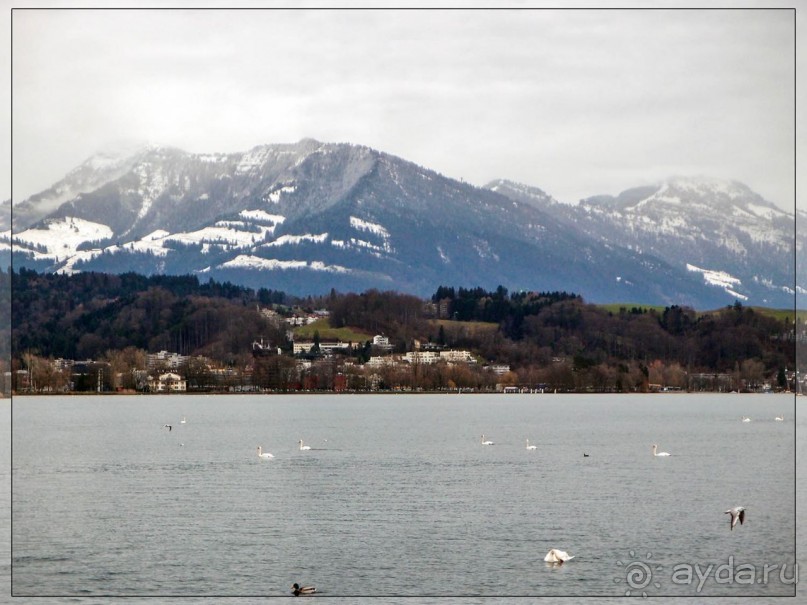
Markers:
<point>723,212</point>
<point>92,174</point>
<point>61,237</point>
<point>245,261</point>
<point>721,279</point>
<point>722,228</point>
<point>309,216</point>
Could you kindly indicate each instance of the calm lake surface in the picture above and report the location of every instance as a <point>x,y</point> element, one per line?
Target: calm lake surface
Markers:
<point>398,497</point>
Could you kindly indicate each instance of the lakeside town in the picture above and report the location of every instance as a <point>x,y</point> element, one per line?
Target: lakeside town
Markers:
<point>100,333</point>
<point>327,365</point>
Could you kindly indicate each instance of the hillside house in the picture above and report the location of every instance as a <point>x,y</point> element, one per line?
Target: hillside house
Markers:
<point>382,342</point>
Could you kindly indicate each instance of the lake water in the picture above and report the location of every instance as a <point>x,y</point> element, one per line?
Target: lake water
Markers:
<point>398,497</point>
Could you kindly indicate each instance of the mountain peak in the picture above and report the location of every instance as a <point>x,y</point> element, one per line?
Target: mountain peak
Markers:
<point>527,194</point>
<point>703,195</point>
<point>710,185</point>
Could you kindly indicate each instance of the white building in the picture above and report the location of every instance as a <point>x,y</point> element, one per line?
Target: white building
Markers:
<point>325,346</point>
<point>425,357</point>
<point>166,360</point>
<point>380,362</point>
<point>382,342</point>
<point>428,357</point>
<point>457,357</point>
<point>168,383</point>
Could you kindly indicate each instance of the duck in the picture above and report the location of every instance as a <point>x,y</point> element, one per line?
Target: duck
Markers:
<point>298,590</point>
<point>737,514</point>
<point>530,447</point>
<point>262,454</point>
<point>303,447</point>
<point>558,557</point>
<point>655,453</point>
<point>585,455</point>
<point>486,442</point>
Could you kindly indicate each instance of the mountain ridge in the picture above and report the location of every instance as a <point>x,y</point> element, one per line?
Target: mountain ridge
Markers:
<point>316,216</point>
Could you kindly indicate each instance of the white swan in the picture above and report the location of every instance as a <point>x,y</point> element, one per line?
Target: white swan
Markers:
<point>746,419</point>
<point>304,447</point>
<point>655,453</point>
<point>530,447</point>
<point>557,556</point>
<point>780,418</point>
<point>262,454</point>
<point>737,514</point>
<point>182,421</point>
<point>486,442</point>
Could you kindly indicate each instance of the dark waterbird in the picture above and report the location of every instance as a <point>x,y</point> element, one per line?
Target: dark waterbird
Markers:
<point>298,590</point>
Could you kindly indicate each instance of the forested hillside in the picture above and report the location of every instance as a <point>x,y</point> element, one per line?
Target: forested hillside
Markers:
<point>85,315</point>
<point>538,335</point>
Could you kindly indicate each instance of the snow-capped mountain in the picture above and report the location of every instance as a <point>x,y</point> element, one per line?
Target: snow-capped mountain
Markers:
<point>721,231</point>
<point>101,168</point>
<point>308,217</point>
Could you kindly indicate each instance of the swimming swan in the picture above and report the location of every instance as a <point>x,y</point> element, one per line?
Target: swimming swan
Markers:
<point>297,590</point>
<point>486,442</point>
<point>780,418</point>
<point>530,447</point>
<point>746,419</point>
<point>557,556</point>
<point>655,447</point>
<point>262,454</point>
<point>737,514</point>
<point>304,447</point>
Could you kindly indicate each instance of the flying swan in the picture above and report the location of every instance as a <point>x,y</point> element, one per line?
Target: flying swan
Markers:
<point>262,454</point>
<point>737,514</point>
<point>303,447</point>
<point>655,453</point>
<point>557,557</point>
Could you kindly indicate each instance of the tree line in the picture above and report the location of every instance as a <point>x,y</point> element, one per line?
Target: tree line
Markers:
<point>545,337</point>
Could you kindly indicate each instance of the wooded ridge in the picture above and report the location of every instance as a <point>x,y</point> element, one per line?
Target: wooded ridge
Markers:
<point>547,338</point>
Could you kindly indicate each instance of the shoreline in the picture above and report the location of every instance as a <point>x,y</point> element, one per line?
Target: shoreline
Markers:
<point>365,393</point>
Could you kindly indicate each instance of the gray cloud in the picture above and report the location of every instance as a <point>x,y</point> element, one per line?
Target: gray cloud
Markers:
<point>576,102</point>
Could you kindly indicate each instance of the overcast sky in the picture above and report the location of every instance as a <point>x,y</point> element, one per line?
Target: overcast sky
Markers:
<point>576,102</point>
